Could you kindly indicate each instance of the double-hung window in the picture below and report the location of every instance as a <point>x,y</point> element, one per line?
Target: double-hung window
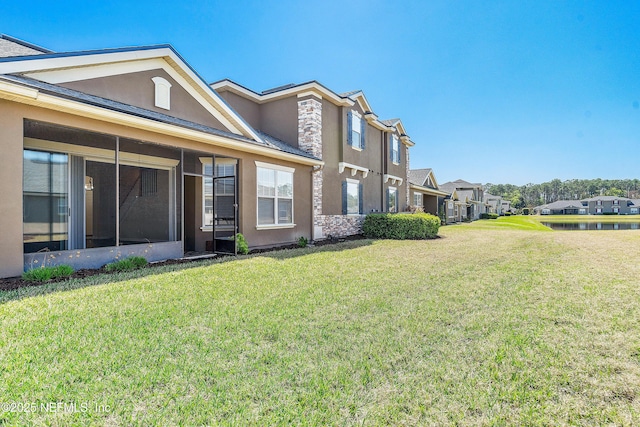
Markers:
<point>356,131</point>
<point>417,199</point>
<point>395,149</point>
<point>275,195</point>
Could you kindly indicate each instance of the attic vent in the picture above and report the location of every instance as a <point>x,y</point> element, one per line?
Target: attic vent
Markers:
<point>163,93</point>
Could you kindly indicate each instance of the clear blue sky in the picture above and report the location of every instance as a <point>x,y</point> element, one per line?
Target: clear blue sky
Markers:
<point>490,91</point>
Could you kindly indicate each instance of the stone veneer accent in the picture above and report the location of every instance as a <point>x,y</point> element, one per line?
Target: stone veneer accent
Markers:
<point>310,140</point>
<point>341,225</point>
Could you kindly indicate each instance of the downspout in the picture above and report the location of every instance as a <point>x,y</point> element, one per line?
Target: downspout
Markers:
<point>384,162</point>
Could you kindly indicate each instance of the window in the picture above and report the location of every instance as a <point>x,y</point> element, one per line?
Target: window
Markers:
<point>351,197</point>
<point>616,202</point>
<point>616,210</point>
<point>599,202</point>
<point>392,199</point>
<point>417,199</point>
<point>356,131</point>
<point>395,149</point>
<point>162,93</point>
<point>275,195</point>
<point>598,210</point>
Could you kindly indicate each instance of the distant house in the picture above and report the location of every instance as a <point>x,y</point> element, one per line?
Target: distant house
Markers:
<point>469,198</point>
<point>599,205</point>
<point>493,203</point>
<point>609,205</point>
<point>561,207</point>
<point>424,191</point>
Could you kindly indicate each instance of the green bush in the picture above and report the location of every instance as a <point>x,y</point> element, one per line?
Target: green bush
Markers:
<point>488,216</point>
<point>127,264</point>
<point>44,274</point>
<point>303,242</point>
<point>401,226</point>
<point>241,244</point>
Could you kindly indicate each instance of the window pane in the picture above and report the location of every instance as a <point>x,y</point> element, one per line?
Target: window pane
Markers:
<point>266,182</point>
<point>353,198</point>
<point>208,202</point>
<point>285,211</point>
<point>285,184</point>
<point>266,211</point>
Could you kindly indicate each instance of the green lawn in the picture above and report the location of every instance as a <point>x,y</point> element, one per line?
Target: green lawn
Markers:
<point>492,324</point>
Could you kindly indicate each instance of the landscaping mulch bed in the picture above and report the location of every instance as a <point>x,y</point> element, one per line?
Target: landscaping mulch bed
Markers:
<point>18,282</point>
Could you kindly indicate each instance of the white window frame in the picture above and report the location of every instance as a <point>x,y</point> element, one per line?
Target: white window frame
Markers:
<point>356,116</point>
<point>418,199</point>
<point>357,185</point>
<point>395,150</point>
<point>276,197</point>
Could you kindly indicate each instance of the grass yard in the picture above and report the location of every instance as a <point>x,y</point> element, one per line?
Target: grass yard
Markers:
<point>499,322</point>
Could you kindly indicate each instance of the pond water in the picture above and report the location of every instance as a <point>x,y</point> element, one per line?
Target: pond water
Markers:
<point>593,225</point>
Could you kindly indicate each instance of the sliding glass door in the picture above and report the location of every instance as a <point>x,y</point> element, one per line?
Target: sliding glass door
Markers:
<point>46,201</point>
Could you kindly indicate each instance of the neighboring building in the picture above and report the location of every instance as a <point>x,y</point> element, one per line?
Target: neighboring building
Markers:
<point>600,205</point>
<point>365,159</point>
<point>469,198</point>
<point>119,152</point>
<point>609,205</point>
<point>493,203</point>
<point>505,206</point>
<point>561,207</point>
<point>424,191</point>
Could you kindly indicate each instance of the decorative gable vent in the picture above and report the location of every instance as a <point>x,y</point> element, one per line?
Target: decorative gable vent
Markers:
<point>163,93</point>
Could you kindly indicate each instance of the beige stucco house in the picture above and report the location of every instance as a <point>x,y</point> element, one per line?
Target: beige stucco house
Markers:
<point>119,152</point>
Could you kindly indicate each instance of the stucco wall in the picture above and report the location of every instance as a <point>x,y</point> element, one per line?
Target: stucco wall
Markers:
<point>138,89</point>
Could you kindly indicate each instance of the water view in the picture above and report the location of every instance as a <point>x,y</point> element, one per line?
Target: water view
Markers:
<point>593,225</point>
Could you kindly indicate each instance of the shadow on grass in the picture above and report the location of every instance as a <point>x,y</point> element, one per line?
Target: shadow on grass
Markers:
<point>108,278</point>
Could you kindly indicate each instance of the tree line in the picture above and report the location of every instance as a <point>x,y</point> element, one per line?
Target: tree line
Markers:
<point>531,195</point>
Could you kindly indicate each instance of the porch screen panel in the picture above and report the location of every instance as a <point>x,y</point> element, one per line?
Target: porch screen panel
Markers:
<point>147,193</point>
<point>45,201</point>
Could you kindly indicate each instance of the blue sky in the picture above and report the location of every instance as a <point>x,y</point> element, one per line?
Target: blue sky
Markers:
<point>500,91</point>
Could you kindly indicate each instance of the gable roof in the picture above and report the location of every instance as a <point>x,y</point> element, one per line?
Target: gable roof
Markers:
<point>56,68</point>
<point>11,46</point>
<point>420,176</point>
<point>314,88</point>
<point>562,204</point>
<point>265,141</point>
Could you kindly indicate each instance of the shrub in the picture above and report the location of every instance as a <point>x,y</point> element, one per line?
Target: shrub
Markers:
<point>525,211</point>
<point>241,244</point>
<point>127,264</point>
<point>44,274</point>
<point>401,226</point>
<point>488,216</point>
<point>302,242</point>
